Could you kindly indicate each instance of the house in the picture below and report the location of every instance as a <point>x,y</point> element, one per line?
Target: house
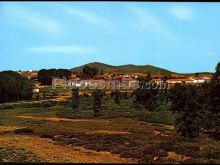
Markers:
<point>133,84</point>
<point>74,83</point>
<point>36,94</point>
<point>172,82</point>
<point>73,76</point>
<point>32,75</point>
<point>57,81</point>
<point>157,82</point>
<point>207,79</point>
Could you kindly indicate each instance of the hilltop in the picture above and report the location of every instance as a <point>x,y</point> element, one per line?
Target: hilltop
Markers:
<point>129,68</point>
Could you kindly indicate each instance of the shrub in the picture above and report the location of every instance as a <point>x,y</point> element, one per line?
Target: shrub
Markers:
<point>4,107</point>
<point>44,135</point>
<point>24,131</point>
<point>47,104</point>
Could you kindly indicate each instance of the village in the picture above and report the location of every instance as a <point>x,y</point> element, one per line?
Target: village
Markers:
<point>111,82</point>
<point>118,81</point>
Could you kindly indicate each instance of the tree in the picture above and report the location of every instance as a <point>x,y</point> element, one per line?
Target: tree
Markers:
<point>97,101</point>
<point>44,76</point>
<point>125,95</point>
<point>185,103</point>
<point>117,96</point>
<point>14,87</point>
<point>101,72</point>
<point>75,98</point>
<point>196,74</point>
<point>144,99</point>
<point>148,78</point>
<point>90,72</point>
<point>164,79</point>
<point>145,96</point>
<point>163,93</point>
<point>214,99</point>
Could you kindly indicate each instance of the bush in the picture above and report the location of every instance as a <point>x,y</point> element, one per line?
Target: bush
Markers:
<point>44,135</point>
<point>4,107</point>
<point>47,104</point>
<point>85,95</point>
<point>24,131</point>
<point>64,103</point>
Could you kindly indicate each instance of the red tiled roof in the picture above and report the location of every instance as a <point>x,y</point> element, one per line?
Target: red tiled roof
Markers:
<point>180,80</point>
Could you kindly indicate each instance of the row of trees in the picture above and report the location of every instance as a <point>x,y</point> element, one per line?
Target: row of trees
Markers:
<point>197,107</point>
<point>90,72</point>
<point>97,100</point>
<point>44,76</point>
<point>13,87</point>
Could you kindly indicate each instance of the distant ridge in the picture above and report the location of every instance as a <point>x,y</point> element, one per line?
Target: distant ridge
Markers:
<point>129,68</point>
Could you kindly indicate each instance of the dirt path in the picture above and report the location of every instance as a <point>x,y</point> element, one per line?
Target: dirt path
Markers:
<point>63,119</point>
<point>47,151</point>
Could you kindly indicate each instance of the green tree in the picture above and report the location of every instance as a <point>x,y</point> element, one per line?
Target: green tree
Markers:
<point>90,72</point>
<point>148,78</point>
<point>117,96</point>
<point>142,99</point>
<point>125,95</point>
<point>75,98</point>
<point>44,76</point>
<point>14,87</point>
<point>97,101</point>
<point>102,72</point>
<point>214,99</point>
<point>146,95</point>
<point>185,103</point>
<point>196,74</point>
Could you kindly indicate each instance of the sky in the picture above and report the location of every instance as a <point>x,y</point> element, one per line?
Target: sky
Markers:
<point>181,37</point>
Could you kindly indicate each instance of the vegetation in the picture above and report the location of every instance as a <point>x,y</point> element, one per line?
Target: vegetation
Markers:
<point>44,76</point>
<point>13,87</point>
<point>89,72</point>
<point>97,101</point>
<point>117,96</point>
<point>198,107</point>
<point>148,142</point>
<point>185,101</point>
<point>141,126</point>
<point>123,68</point>
<point>214,100</point>
<point>75,98</point>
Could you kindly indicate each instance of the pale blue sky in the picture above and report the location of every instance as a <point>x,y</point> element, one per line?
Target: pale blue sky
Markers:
<point>182,37</point>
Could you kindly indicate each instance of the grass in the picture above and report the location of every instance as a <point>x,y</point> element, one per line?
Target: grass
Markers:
<point>142,141</point>
<point>111,110</point>
<point>147,136</point>
<point>55,90</point>
<point>16,155</point>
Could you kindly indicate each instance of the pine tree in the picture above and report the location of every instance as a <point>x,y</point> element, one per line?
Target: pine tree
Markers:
<point>125,95</point>
<point>185,103</point>
<point>97,101</point>
<point>75,98</point>
<point>214,99</point>
<point>117,97</point>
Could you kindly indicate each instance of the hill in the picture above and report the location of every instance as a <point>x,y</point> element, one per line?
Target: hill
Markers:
<point>124,68</point>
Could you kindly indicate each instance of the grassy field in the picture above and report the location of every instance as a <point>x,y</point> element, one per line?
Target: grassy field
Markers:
<point>57,133</point>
